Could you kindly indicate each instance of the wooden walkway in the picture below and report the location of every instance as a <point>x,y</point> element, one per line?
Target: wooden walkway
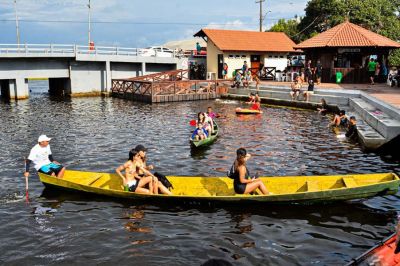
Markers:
<point>170,86</point>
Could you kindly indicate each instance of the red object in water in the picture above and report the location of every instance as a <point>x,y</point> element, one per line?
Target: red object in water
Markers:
<point>382,254</point>
<point>193,123</point>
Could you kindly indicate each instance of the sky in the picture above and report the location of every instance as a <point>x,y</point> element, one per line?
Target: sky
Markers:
<point>134,23</point>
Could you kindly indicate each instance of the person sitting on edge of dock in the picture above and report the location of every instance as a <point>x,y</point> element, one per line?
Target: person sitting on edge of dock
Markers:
<point>307,94</point>
<point>237,80</point>
<point>257,103</point>
<point>131,180</point>
<point>324,107</point>
<point>296,88</point>
<point>243,183</point>
<point>144,171</point>
<point>43,160</point>
<point>340,119</point>
<point>351,132</point>
<point>247,79</point>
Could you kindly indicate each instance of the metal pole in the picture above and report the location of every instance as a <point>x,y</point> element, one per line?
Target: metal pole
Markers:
<point>89,23</point>
<point>261,16</point>
<point>16,21</point>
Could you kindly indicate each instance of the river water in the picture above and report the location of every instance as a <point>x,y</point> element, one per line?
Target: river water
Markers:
<point>95,134</point>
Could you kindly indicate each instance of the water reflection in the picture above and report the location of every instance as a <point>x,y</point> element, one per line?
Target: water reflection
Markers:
<point>95,134</point>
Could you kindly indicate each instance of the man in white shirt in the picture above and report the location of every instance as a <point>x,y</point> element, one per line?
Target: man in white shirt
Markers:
<point>43,160</point>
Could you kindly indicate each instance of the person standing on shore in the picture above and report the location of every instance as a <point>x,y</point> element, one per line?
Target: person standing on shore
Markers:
<point>371,70</point>
<point>42,159</point>
<point>318,72</point>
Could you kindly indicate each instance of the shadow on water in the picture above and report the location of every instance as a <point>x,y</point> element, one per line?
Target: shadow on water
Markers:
<point>315,214</point>
<point>199,153</point>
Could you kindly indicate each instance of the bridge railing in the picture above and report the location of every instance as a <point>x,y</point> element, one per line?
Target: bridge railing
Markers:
<point>70,50</point>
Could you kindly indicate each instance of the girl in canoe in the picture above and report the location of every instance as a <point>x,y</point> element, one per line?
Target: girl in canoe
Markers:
<point>131,180</point>
<point>206,121</point>
<point>243,183</point>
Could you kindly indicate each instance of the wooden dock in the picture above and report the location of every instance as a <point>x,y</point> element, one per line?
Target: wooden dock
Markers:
<point>170,86</point>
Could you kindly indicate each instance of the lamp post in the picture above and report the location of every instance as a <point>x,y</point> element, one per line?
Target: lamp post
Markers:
<point>16,21</point>
<point>89,22</point>
<point>261,15</point>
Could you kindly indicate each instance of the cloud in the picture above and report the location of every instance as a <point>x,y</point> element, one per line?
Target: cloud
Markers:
<point>231,25</point>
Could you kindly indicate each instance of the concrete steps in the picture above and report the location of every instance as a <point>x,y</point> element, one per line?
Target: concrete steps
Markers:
<point>377,122</point>
<point>369,137</point>
<point>388,127</point>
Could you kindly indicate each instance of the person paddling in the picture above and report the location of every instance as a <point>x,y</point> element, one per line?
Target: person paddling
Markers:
<point>43,160</point>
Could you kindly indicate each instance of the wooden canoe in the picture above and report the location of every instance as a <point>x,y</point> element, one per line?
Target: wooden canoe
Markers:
<point>381,254</point>
<point>207,141</point>
<point>244,111</point>
<point>287,190</point>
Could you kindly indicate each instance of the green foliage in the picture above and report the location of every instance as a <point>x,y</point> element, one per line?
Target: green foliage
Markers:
<point>287,26</point>
<point>394,58</point>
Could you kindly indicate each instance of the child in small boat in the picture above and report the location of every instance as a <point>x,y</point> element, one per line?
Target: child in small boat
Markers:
<point>199,133</point>
<point>257,103</point>
<point>131,180</point>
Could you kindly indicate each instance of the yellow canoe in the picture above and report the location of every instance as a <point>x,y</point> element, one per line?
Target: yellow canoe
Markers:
<point>289,189</point>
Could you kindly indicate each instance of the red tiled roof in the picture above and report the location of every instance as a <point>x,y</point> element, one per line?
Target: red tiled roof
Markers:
<point>254,41</point>
<point>348,35</point>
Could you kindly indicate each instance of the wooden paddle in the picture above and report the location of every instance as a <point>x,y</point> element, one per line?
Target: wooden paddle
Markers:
<point>26,184</point>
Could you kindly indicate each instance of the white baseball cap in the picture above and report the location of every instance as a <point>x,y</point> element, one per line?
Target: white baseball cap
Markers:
<point>43,138</point>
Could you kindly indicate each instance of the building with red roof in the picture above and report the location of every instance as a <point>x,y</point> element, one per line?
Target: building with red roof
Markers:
<point>233,47</point>
<point>346,48</point>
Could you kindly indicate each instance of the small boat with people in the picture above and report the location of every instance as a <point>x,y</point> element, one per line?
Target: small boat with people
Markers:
<point>206,141</point>
<point>282,190</point>
<point>386,253</point>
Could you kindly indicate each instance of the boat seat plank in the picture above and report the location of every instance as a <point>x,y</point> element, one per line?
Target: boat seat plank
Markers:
<point>312,186</point>
<point>349,182</point>
<point>93,180</point>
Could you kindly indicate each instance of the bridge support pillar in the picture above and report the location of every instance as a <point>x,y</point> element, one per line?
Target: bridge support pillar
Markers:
<point>18,89</point>
<point>143,68</point>
<point>59,86</point>
<point>108,77</point>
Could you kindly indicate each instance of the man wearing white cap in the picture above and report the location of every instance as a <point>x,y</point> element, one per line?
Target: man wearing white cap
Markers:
<point>43,160</point>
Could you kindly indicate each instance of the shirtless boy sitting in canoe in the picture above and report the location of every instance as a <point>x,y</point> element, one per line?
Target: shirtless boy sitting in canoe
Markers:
<point>131,180</point>
<point>144,171</point>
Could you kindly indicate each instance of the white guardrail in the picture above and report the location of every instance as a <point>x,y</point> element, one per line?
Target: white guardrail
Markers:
<point>73,50</point>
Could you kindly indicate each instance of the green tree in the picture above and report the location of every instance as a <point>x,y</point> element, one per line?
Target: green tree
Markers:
<point>287,26</point>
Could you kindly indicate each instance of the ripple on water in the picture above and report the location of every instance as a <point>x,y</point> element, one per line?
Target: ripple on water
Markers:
<point>95,134</point>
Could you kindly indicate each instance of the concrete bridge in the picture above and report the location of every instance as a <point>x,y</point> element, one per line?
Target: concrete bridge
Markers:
<point>73,69</point>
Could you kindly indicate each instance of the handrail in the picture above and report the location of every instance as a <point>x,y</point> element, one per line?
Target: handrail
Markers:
<point>70,49</point>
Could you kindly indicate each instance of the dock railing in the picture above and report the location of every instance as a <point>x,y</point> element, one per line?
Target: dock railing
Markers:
<point>166,87</point>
